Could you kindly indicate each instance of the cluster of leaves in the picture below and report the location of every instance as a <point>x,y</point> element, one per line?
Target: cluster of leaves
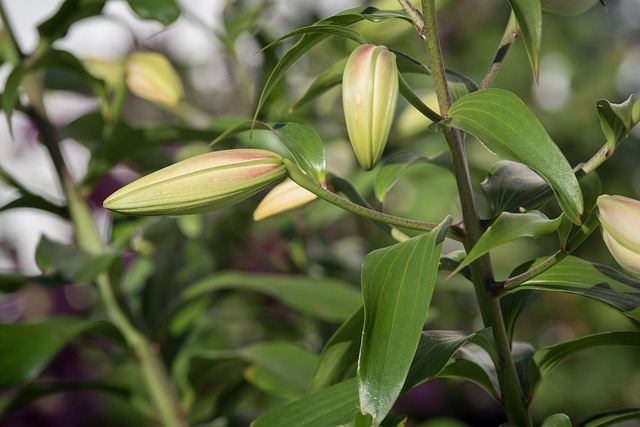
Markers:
<point>181,295</point>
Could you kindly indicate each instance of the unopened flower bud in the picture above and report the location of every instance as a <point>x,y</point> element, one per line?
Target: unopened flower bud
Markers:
<point>151,76</point>
<point>199,184</point>
<point>620,220</point>
<point>369,97</point>
<point>284,197</point>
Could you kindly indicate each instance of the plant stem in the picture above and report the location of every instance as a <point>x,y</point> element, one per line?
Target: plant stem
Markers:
<point>309,184</point>
<point>153,371</point>
<point>511,33</point>
<point>481,270</point>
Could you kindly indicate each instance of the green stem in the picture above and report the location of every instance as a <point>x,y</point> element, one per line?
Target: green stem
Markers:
<point>481,270</point>
<point>511,33</point>
<point>309,184</point>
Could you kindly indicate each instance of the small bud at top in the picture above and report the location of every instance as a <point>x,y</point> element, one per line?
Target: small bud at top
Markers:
<point>369,97</point>
<point>151,76</point>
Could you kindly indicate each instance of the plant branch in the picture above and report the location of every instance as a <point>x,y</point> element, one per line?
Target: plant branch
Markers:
<point>589,225</point>
<point>309,184</point>
<point>511,33</point>
<point>481,270</point>
<point>154,373</point>
<point>415,16</point>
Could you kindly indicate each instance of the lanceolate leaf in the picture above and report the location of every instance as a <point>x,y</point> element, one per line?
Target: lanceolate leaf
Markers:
<point>330,407</point>
<point>339,357</point>
<point>616,121</point>
<point>557,420</point>
<point>325,299</point>
<point>27,348</point>
<point>434,352</point>
<point>397,285</point>
<point>504,124</point>
<point>577,276</point>
<point>509,185</point>
<point>163,11</point>
<point>70,12</point>
<point>509,227</point>
<point>389,173</point>
<point>330,78</point>
<point>546,359</point>
<point>611,418</point>
<point>70,263</point>
<point>529,16</point>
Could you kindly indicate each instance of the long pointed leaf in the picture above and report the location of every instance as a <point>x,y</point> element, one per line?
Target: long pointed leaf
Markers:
<point>547,359</point>
<point>507,228</point>
<point>576,276</point>
<point>529,16</point>
<point>397,285</point>
<point>504,124</point>
<point>330,407</point>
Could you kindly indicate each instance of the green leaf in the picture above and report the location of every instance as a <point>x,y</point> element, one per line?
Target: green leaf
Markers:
<point>611,418</point>
<point>325,299</point>
<point>279,368</point>
<point>509,185</point>
<point>507,228</point>
<point>576,276</point>
<point>434,352</point>
<point>328,79</point>
<point>557,420</point>
<point>303,143</point>
<point>471,371</point>
<point>514,304</point>
<point>616,121</point>
<point>339,357</point>
<point>397,285</point>
<point>163,11</point>
<point>27,348</point>
<point>11,93</point>
<point>504,124</point>
<point>70,263</point>
<point>31,201</point>
<point>547,359</point>
<point>326,408</point>
<point>389,173</point>
<point>29,393</point>
<point>69,13</point>
<point>529,16</point>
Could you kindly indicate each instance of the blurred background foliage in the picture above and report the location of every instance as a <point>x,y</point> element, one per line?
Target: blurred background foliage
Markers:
<point>222,346</point>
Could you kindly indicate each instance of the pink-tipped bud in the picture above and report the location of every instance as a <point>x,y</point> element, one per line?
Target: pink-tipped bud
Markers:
<point>369,97</point>
<point>199,184</point>
<point>620,220</point>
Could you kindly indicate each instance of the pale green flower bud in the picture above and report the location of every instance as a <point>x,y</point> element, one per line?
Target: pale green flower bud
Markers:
<point>369,97</point>
<point>620,220</point>
<point>151,76</point>
<point>199,184</point>
<point>284,197</point>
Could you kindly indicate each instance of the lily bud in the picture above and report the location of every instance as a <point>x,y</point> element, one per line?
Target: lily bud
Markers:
<point>151,76</point>
<point>620,220</point>
<point>369,97</point>
<point>284,197</point>
<point>199,184</point>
